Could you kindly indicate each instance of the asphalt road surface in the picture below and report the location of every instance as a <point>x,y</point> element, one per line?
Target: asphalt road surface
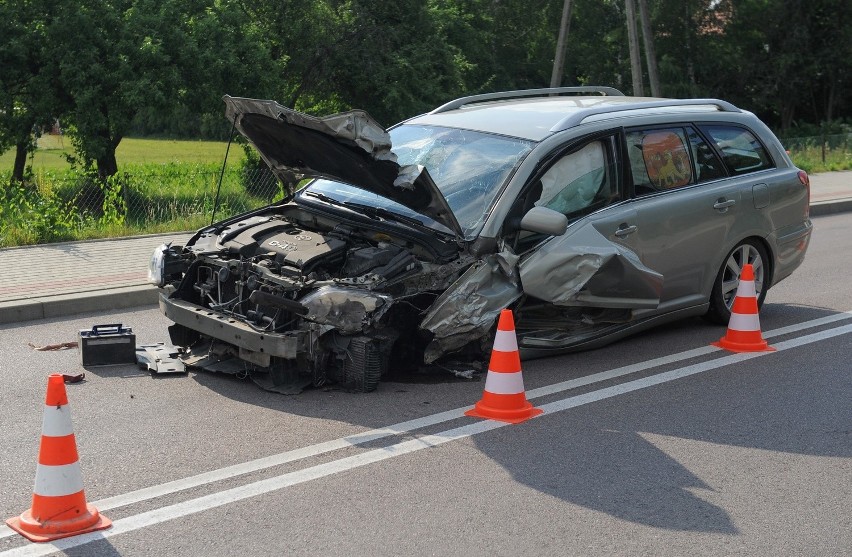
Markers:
<point>655,445</point>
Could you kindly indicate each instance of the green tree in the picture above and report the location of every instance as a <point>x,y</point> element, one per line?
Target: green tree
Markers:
<point>391,59</point>
<point>117,60</point>
<point>784,59</point>
<point>467,29</point>
<point>598,51</point>
<point>298,38</point>
<point>25,100</point>
<point>224,52</point>
<point>101,76</point>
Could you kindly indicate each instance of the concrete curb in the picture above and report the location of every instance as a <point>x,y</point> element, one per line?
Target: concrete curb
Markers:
<point>82,302</point>
<point>831,207</point>
<point>165,235</point>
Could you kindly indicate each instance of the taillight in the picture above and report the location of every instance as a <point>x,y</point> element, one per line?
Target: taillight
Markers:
<point>803,178</point>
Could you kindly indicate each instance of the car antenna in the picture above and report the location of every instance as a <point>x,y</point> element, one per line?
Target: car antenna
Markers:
<point>222,173</point>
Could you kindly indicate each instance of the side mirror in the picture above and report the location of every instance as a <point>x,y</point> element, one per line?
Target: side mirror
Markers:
<point>544,221</point>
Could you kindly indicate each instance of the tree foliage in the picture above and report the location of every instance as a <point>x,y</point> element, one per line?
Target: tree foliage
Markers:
<point>109,68</point>
<point>24,76</point>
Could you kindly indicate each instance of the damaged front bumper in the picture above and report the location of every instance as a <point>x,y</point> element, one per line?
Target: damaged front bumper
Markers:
<point>254,346</point>
<point>327,344</point>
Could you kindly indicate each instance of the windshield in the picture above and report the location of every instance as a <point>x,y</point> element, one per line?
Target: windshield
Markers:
<point>468,167</point>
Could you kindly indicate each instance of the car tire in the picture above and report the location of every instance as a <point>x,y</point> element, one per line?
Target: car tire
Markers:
<point>727,279</point>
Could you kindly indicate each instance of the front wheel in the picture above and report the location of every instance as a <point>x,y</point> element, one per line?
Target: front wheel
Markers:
<point>728,278</point>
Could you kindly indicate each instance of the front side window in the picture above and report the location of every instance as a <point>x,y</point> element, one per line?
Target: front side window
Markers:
<point>742,152</point>
<point>579,181</point>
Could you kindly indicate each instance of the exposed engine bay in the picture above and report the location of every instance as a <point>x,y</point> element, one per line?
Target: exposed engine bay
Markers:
<point>293,298</point>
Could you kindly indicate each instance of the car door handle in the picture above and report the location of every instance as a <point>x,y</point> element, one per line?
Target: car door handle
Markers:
<point>625,230</point>
<point>724,204</point>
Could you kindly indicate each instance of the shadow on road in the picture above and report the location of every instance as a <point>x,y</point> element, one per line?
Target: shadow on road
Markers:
<point>602,459</point>
<point>597,456</point>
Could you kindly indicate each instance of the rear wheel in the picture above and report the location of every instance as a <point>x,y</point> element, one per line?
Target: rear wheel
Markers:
<point>728,278</point>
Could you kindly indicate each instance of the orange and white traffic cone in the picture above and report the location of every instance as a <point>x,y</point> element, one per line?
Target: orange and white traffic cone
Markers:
<point>504,398</point>
<point>59,508</point>
<point>744,326</point>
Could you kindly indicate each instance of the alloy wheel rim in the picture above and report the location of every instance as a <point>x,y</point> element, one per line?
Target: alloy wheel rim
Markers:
<point>742,255</point>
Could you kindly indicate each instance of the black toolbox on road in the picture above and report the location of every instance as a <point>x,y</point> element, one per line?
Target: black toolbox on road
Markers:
<point>106,345</point>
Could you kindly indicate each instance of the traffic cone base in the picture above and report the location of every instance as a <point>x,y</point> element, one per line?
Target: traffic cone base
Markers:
<point>59,508</point>
<point>504,398</point>
<point>512,416</point>
<point>751,346</point>
<point>37,531</point>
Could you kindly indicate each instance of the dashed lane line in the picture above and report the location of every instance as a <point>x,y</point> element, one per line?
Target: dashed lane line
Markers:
<point>218,499</point>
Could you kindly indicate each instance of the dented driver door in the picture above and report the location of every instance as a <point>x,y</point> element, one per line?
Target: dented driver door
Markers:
<point>594,264</point>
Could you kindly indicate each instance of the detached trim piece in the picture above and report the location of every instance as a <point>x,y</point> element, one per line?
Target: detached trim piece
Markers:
<point>160,358</point>
<point>546,92</point>
<point>578,117</point>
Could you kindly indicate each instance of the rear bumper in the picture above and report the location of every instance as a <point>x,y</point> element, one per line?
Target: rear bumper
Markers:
<point>790,250</point>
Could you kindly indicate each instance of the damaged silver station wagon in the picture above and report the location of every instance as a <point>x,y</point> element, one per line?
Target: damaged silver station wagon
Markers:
<point>590,214</point>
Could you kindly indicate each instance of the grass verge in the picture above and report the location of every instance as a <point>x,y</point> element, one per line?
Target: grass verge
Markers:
<point>52,149</point>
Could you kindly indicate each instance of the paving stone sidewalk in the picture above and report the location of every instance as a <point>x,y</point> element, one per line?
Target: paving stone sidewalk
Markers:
<point>52,280</point>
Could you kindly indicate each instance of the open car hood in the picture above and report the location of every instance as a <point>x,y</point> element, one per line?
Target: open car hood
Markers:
<point>349,147</point>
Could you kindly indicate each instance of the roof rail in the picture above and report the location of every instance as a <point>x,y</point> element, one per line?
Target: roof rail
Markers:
<point>577,117</point>
<point>546,92</point>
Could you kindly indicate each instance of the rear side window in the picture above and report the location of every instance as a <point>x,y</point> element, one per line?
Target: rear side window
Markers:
<point>708,166</point>
<point>740,149</point>
<point>659,159</point>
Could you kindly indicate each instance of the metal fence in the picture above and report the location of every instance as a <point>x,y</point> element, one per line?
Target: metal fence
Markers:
<point>825,143</point>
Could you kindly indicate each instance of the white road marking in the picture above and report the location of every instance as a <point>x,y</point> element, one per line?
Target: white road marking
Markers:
<point>261,487</point>
<point>405,427</point>
<point>220,474</point>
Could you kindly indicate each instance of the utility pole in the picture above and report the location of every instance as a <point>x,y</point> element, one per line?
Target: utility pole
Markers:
<point>633,41</point>
<point>561,46</point>
<point>650,51</point>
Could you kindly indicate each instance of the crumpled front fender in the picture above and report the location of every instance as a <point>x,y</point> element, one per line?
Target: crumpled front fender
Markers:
<point>469,308</point>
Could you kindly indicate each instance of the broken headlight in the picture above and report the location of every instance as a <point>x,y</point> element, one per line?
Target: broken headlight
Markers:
<point>346,309</point>
<point>157,266</point>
